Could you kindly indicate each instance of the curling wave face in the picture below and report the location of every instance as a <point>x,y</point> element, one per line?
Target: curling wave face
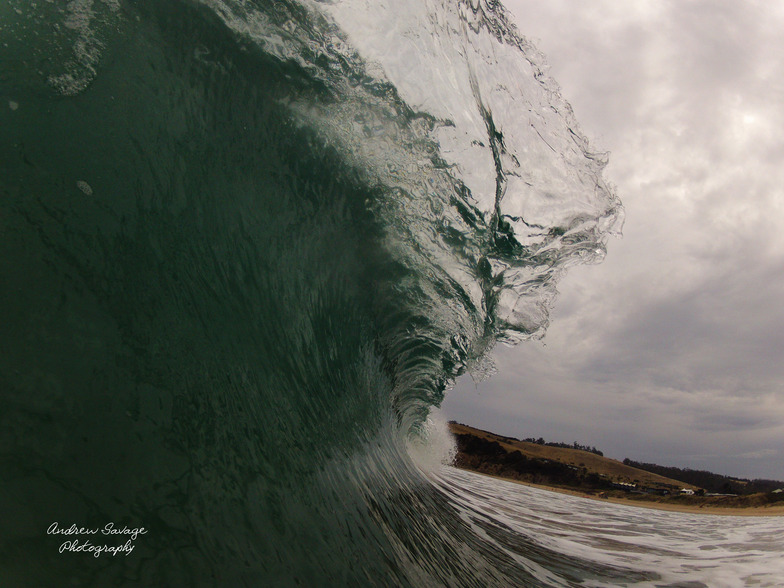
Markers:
<point>246,245</point>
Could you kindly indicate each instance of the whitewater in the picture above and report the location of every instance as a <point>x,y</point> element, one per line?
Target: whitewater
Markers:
<point>245,248</point>
<point>572,541</point>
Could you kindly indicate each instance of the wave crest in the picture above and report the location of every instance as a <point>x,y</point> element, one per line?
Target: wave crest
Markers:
<point>492,187</point>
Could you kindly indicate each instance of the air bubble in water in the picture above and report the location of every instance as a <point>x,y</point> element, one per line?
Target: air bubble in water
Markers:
<point>85,187</point>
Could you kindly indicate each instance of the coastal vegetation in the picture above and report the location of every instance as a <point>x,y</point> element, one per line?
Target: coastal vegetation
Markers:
<point>576,467</point>
<point>712,483</point>
<point>574,445</point>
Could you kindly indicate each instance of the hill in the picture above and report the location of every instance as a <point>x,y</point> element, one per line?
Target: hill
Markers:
<point>715,483</point>
<point>487,452</point>
<point>588,473</point>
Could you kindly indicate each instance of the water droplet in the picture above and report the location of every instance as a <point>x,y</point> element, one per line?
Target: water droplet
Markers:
<point>84,187</point>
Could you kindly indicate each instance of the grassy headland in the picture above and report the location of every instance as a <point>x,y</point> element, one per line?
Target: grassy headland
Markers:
<point>589,474</point>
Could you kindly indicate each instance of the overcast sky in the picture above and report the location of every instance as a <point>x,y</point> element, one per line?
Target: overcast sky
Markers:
<point>670,351</point>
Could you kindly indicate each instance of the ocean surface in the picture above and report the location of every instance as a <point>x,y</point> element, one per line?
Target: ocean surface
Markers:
<point>245,247</point>
<point>572,541</point>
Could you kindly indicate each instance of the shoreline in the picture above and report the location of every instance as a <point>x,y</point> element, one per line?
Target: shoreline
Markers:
<point>744,511</point>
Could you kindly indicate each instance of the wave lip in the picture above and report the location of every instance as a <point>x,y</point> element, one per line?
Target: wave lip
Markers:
<point>486,186</point>
<point>451,109</point>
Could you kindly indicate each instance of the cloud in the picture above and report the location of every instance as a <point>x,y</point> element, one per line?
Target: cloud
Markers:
<point>761,454</point>
<point>671,347</point>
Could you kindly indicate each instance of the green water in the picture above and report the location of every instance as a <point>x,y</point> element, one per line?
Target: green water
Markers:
<point>218,323</point>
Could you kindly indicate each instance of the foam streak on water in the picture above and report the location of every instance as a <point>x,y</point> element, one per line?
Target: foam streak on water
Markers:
<point>622,545</point>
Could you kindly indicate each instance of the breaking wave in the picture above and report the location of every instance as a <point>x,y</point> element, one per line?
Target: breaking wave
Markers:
<point>246,247</point>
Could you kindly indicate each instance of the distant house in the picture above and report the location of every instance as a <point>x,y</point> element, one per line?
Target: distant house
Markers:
<point>779,491</point>
<point>656,490</point>
<point>624,486</point>
<point>687,491</point>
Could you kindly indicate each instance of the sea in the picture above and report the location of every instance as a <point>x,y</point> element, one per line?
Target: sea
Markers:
<point>564,540</point>
<point>246,247</point>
